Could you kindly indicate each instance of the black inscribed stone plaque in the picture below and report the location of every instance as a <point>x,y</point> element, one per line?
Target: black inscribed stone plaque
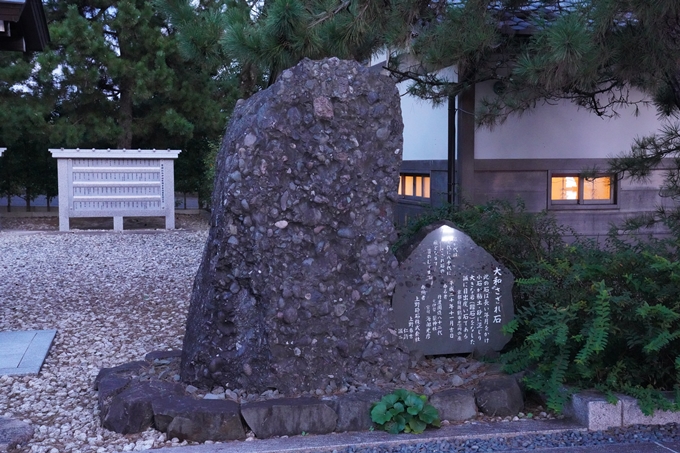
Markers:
<point>451,296</point>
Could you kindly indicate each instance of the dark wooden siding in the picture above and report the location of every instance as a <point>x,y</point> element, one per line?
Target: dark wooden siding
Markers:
<point>510,179</point>
<point>528,179</point>
<point>437,171</point>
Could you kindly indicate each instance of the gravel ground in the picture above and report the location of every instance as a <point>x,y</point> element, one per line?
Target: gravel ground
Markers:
<point>112,298</point>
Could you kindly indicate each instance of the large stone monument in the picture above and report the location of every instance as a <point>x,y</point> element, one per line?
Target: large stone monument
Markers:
<point>295,285</point>
<point>452,296</point>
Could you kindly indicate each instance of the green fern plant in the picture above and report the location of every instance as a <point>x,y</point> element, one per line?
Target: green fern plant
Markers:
<point>602,315</point>
<point>404,411</point>
<point>604,318</point>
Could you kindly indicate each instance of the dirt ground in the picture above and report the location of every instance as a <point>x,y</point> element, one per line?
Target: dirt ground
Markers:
<point>51,223</point>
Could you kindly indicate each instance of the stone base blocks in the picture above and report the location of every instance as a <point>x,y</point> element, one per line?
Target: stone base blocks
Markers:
<point>285,416</point>
<point>592,410</point>
<point>116,183</point>
<point>198,420</point>
<point>499,396</point>
<point>455,404</point>
<point>354,410</point>
<point>129,402</point>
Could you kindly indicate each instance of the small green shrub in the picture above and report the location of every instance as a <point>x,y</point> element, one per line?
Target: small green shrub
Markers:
<point>505,230</point>
<point>587,314</point>
<point>602,317</point>
<point>403,410</point>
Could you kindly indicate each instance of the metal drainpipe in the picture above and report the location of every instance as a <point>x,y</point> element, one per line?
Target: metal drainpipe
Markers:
<point>451,148</point>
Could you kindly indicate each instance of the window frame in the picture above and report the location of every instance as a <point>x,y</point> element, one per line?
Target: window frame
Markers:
<point>415,198</point>
<point>580,202</point>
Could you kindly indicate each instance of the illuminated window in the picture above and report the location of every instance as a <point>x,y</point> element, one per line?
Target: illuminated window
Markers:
<point>414,186</point>
<point>574,189</point>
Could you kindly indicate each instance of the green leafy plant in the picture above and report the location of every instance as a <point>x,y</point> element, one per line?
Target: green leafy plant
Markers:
<point>602,317</point>
<point>403,410</point>
<point>589,314</point>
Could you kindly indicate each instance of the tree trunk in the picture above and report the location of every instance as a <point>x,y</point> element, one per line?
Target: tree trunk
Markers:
<point>9,203</point>
<point>49,199</point>
<point>125,115</point>
<point>247,81</point>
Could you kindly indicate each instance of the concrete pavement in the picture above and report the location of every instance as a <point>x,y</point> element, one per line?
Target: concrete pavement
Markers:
<point>23,352</point>
<point>450,434</point>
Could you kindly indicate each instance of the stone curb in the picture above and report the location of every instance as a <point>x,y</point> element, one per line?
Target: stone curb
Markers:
<point>332,414</point>
<point>592,410</point>
<point>377,439</point>
<point>127,405</point>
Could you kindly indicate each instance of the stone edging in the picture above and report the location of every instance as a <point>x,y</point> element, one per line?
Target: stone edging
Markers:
<point>129,405</point>
<point>592,410</point>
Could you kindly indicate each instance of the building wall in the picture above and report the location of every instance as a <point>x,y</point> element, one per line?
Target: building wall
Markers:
<point>504,179</point>
<point>515,160</point>
<point>426,142</point>
<point>425,125</point>
<point>562,130</point>
<point>437,170</point>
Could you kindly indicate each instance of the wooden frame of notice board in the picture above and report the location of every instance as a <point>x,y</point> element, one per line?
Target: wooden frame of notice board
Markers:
<point>116,183</point>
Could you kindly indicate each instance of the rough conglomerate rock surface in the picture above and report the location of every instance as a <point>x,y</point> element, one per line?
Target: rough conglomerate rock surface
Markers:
<point>294,289</point>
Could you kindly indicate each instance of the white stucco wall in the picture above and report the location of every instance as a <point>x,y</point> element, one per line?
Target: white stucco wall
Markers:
<point>425,126</point>
<point>562,131</point>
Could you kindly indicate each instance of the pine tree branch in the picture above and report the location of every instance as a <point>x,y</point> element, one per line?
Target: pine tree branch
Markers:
<point>329,15</point>
<point>428,78</point>
<point>674,82</point>
<point>94,17</point>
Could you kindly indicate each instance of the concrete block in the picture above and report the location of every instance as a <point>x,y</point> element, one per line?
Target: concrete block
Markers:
<point>592,410</point>
<point>632,415</point>
<point>37,350</point>
<point>24,352</point>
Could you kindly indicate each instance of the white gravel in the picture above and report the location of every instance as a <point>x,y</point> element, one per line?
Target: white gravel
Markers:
<point>112,298</point>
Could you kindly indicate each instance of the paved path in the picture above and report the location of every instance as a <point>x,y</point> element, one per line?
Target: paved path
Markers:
<point>616,448</point>
<point>23,352</point>
<point>311,444</point>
